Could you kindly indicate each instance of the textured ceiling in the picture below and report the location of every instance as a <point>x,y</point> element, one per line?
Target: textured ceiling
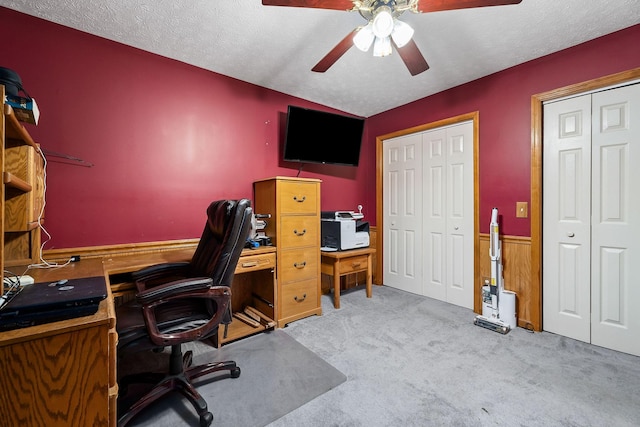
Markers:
<point>276,47</point>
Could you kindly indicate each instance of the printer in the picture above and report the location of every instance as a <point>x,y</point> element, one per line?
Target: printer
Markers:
<point>343,230</point>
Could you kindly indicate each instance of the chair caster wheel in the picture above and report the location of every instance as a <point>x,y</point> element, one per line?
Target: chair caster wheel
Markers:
<point>235,372</point>
<point>206,419</point>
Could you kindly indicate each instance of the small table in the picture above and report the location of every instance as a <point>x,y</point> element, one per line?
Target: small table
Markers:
<point>341,263</point>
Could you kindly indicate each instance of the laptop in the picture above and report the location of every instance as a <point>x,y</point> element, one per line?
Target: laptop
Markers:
<point>53,301</point>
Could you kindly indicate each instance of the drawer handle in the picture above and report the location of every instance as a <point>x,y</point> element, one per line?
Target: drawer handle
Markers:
<point>300,264</point>
<point>356,264</point>
<point>304,297</point>
<point>249,264</point>
<point>300,200</point>
<point>302,233</point>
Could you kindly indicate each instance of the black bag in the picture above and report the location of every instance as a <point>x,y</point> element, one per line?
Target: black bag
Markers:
<point>11,81</point>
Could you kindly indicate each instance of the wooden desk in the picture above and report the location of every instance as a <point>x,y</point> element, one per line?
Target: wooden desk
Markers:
<point>245,290</point>
<point>117,269</point>
<point>258,290</point>
<point>341,263</point>
<point>61,373</point>
<point>64,373</point>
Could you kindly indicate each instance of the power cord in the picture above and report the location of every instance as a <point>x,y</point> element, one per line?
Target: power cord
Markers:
<point>9,292</point>
<point>44,263</point>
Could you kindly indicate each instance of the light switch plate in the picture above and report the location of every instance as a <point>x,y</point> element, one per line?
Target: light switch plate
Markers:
<point>522,209</point>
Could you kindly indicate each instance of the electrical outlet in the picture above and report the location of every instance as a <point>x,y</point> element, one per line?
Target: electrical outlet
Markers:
<point>522,209</point>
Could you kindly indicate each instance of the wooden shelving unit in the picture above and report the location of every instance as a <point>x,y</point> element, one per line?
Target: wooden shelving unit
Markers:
<point>22,192</point>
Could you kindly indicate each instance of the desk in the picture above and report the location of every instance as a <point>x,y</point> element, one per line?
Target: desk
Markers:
<point>61,373</point>
<point>341,263</point>
<point>244,291</point>
<point>64,373</point>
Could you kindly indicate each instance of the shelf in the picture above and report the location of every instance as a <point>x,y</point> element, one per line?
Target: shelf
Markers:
<point>18,262</point>
<point>238,329</point>
<point>14,130</point>
<point>12,181</point>
<point>22,191</point>
<point>33,225</point>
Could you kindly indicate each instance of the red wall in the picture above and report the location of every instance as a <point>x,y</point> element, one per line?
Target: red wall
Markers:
<point>166,138</point>
<point>504,104</point>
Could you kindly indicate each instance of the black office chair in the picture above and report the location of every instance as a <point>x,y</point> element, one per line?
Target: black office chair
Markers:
<point>178,303</point>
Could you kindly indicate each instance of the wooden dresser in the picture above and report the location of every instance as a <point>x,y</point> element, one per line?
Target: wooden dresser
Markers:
<point>294,228</point>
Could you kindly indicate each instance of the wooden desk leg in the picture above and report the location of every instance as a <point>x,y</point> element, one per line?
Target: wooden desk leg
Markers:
<point>369,278</point>
<point>336,283</point>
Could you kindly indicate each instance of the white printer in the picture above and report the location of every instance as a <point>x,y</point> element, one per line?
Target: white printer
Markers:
<point>343,230</point>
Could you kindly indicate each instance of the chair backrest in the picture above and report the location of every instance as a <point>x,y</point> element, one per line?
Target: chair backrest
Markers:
<point>228,226</point>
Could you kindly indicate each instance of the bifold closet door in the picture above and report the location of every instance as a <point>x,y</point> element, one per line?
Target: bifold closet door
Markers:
<point>402,171</point>
<point>428,213</point>
<point>566,218</point>
<point>447,182</point>
<point>591,218</point>
<point>615,220</point>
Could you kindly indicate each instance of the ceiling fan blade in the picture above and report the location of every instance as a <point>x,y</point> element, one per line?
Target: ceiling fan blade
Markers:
<point>440,5</point>
<point>412,57</point>
<point>335,53</point>
<point>319,4</point>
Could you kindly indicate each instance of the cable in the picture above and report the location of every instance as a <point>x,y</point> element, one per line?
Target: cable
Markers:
<point>44,263</point>
<point>12,290</point>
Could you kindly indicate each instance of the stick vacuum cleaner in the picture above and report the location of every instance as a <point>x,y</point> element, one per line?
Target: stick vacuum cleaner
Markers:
<point>498,305</point>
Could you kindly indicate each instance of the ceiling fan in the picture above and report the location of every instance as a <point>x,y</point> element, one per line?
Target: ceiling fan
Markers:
<point>383,29</point>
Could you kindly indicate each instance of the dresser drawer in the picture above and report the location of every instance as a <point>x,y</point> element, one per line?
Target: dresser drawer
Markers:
<point>299,198</point>
<point>299,297</point>
<point>297,231</point>
<point>299,264</point>
<point>351,265</point>
<point>255,262</point>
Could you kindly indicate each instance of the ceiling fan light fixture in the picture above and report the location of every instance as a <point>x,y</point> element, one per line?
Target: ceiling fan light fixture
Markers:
<point>402,33</point>
<point>364,37</point>
<point>383,22</point>
<point>382,47</point>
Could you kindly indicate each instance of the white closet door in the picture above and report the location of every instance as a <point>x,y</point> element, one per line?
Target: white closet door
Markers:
<point>448,213</point>
<point>615,269</point>
<point>460,283</point>
<point>591,218</point>
<point>428,213</point>
<point>566,217</point>
<point>402,171</point>
<point>435,213</point>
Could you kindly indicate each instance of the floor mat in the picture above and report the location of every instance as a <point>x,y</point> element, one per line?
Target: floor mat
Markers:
<point>278,375</point>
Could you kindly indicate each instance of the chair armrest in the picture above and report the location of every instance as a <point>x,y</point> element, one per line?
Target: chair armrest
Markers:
<point>183,289</point>
<point>160,270</point>
<point>175,288</point>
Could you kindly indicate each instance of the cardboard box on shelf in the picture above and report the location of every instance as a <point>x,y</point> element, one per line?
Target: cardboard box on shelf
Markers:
<point>26,109</point>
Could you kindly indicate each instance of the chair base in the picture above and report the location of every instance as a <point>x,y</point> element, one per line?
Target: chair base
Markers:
<point>178,379</point>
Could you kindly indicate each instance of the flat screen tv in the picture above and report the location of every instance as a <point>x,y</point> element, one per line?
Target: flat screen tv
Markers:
<point>321,137</point>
